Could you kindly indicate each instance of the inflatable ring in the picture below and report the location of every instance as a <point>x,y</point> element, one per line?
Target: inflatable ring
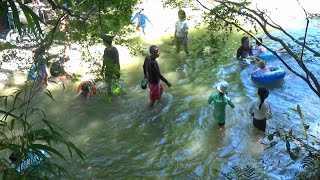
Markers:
<point>269,56</point>
<point>276,74</point>
<point>32,74</point>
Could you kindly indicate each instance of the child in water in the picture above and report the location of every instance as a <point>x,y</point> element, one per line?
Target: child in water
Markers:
<point>87,89</point>
<point>40,61</point>
<point>262,68</point>
<point>259,49</point>
<point>260,110</point>
<point>219,102</point>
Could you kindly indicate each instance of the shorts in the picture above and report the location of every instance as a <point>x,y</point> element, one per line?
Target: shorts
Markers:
<point>42,71</point>
<point>260,124</point>
<point>156,91</point>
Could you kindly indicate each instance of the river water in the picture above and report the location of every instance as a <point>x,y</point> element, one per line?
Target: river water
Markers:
<point>178,138</point>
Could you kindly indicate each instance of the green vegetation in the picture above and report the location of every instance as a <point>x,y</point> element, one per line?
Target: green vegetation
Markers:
<point>26,131</point>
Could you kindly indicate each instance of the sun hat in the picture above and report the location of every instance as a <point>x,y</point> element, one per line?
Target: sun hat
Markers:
<point>261,64</point>
<point>223,87</point>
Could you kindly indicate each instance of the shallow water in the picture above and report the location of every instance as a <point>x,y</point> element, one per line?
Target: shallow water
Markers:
<point>178,138</point>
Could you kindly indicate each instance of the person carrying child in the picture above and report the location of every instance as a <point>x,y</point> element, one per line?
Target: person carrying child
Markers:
<point>219,101</point>
<point>245,51</point>
<point>260,110</point>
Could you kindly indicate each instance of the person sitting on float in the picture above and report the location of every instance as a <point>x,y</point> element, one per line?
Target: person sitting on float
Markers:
<point>245,50</point>
<point>87,89</point>
<point>262,68</point>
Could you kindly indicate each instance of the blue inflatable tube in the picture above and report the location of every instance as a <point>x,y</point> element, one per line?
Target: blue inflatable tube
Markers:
<point>276,74</point>
<point>269,56</point>
<point>32,74</point>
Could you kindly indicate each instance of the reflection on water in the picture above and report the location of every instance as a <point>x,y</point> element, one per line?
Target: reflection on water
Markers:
<point>179,137</point>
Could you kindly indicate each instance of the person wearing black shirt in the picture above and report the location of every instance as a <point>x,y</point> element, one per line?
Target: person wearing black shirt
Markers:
<point>111,64</point>
<point>151,71</point>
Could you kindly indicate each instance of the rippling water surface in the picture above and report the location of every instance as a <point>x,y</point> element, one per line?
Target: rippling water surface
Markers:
<point>178,138</point>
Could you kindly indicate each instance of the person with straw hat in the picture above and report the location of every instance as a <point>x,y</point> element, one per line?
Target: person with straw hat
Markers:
<point>219,101</point>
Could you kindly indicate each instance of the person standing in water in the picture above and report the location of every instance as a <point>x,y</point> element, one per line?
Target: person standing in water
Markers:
<point>41,63</point>
<point>152,73</point>
<point>142,23</point>
<point>181,32</point>
<point>260,110</point>
<point>219,101</point>
<point>111,64</point>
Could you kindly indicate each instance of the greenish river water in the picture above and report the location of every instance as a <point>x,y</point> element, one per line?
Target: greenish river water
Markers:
<point>178,139</point>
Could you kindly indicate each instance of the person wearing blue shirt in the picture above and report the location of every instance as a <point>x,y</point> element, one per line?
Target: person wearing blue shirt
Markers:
<point>141,20</point>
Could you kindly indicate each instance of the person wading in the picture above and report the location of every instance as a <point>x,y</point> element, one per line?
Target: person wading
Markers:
<point>152,73</point>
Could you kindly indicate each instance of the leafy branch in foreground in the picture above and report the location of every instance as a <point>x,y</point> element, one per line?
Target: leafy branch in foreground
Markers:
<point>30,138</point>
<point>301,144</point>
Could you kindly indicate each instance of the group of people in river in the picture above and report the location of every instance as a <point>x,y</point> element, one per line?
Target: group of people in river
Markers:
<point>259,109</point>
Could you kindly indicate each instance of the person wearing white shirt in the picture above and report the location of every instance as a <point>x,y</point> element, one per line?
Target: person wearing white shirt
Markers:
<point>260,110</point>
<point>181,32</point>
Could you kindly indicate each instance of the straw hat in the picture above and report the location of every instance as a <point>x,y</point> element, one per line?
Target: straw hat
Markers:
<point>223,87</point>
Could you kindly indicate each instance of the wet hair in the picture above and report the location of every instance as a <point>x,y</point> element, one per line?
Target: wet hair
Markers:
<point>259,41</point>
<point>263,94</point>
<point>152,48</point>
<point>182,12</point>
<point>244,39</point>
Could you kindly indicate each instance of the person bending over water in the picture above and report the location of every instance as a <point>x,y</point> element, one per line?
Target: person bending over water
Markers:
<point>152,73</point>
<point>219,102</point>
<point>260,110</point>
<point>87,89</point>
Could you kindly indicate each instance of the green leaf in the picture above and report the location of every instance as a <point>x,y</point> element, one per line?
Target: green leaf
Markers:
<point>8,113</point>
<point>15,16</point>
<point>270,137</point>
<point>293,156</point>
<point>273,143</point>
<point>35,18</point>
<point>31,24</point>
<point>6,102</point>
<point>16,98</point>
<point>49,94</point>
<point>300,112</point>
<point>12,124</point>
<point>47,149</point>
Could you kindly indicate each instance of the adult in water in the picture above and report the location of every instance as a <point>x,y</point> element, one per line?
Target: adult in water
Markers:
<point>111,63</point>
<point>152,73</point>
<point>245,51</point>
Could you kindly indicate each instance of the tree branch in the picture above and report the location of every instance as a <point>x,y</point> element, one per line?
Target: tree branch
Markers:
<point>262,24</point>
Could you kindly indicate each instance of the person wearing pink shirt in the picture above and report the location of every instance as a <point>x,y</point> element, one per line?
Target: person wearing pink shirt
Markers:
<point>262,68</point>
